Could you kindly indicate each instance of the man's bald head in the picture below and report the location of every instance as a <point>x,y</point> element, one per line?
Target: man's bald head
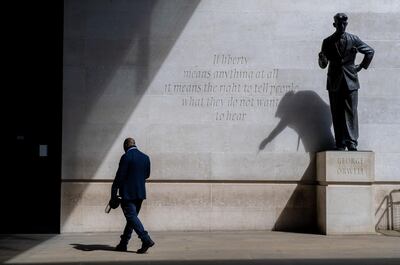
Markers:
<point>128,143</point>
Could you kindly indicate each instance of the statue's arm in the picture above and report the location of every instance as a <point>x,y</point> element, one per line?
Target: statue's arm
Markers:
<point>368,52</point>
<point>322,59</point>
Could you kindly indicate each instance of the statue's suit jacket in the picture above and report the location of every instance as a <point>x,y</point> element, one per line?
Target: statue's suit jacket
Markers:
<point>341,65</point>
<point>133,170</point>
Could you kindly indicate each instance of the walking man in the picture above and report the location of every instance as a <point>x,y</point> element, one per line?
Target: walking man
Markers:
<point>129,182</point>
<point>339,50</point>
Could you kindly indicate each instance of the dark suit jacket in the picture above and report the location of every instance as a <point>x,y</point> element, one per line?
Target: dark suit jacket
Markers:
<point>341,65</point>
<point>133,170</point>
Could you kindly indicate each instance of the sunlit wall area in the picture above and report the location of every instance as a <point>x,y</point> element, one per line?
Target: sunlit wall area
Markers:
<point>227,99</point>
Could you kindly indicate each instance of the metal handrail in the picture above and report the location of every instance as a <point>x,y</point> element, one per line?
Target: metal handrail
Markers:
<point>390,206</point>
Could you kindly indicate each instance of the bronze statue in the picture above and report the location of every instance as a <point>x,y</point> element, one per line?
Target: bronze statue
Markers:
<point>339,50</point>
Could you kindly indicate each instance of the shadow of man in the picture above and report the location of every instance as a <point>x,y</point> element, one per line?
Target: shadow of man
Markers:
<point>309,116</point>
<point>92,247</point>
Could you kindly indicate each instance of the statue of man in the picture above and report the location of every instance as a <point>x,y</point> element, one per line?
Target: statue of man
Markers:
<point>339,50</point>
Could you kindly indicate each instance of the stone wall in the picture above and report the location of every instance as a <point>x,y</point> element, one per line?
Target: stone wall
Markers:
<point>227,99</point>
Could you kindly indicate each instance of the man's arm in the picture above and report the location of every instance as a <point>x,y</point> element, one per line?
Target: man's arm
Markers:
<point>121,173</point>
<point>322,59</point>
<point>148,169</point>
<point>368,52</point>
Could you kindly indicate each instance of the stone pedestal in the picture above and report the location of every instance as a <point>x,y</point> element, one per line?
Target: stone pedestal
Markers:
<point>344,192</point>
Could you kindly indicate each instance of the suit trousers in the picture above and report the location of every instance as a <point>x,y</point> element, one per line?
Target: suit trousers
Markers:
<point>344,115</point>
<point>131,210</point>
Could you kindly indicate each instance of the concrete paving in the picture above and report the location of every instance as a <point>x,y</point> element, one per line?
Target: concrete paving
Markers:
<point>234,247</point>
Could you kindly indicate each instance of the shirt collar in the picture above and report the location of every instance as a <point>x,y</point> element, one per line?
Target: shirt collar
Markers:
<point>133,147</point>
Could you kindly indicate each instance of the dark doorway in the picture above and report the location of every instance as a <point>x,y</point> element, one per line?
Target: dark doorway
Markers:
<point>30,182</point>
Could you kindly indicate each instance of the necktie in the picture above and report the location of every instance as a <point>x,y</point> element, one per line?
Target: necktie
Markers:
<point>342,45</point>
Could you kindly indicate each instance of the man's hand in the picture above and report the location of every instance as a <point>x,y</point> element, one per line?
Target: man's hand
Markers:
<point>114,202</point>
<point>358,68</point>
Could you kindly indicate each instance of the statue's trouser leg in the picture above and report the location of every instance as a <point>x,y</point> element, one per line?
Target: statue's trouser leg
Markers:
<point>351,117</point>
<point>338,116</point>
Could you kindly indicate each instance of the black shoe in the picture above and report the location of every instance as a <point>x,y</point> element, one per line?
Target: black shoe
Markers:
<point>352,147</point>
<point>121,247</point>
<point>340,148</point>
<point>145,246</point>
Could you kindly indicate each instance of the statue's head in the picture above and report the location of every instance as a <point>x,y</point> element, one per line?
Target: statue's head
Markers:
<point>340,22</point>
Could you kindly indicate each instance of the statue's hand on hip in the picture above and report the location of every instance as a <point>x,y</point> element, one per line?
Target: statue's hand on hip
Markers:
<point>358,68</point>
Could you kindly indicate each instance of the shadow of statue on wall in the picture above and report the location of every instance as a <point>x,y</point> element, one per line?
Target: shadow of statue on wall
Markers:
<point>309,116</point>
